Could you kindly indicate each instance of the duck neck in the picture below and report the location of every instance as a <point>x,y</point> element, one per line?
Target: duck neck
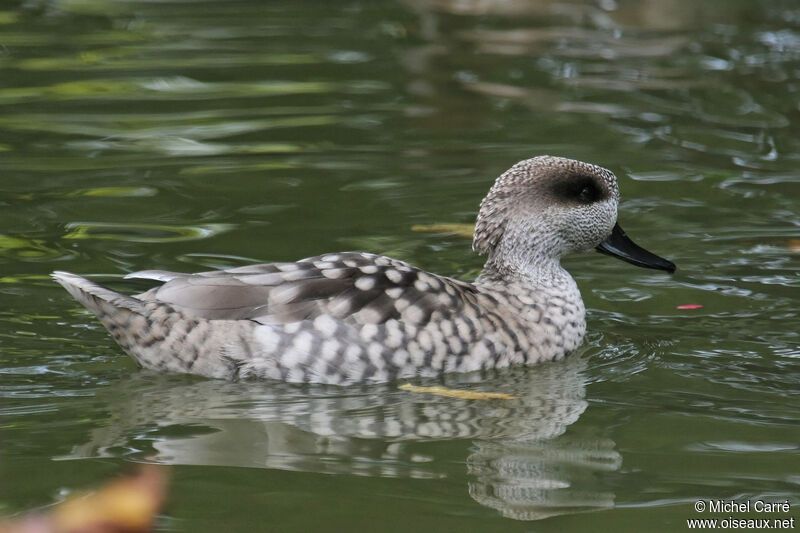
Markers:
<point>537,272</point>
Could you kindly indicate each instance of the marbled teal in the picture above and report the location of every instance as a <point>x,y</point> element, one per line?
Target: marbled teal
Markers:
<point>350,317</point>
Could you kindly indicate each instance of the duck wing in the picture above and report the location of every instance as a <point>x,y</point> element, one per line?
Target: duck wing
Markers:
<point>352,287</point>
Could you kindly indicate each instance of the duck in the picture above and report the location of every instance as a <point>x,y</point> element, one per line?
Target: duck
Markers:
<point>357,317</point>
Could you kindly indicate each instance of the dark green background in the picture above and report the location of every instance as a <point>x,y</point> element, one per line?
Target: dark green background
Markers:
<point>196,135</point>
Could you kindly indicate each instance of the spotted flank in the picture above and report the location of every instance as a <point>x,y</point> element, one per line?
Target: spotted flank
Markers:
<point>358,317</point>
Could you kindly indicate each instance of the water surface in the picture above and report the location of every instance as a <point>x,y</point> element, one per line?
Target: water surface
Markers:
<point>198,135</point>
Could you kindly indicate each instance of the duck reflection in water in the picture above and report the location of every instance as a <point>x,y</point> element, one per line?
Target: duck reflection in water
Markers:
<point>519,460</point>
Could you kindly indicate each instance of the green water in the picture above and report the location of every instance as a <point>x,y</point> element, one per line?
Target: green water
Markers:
<point>198,135</point>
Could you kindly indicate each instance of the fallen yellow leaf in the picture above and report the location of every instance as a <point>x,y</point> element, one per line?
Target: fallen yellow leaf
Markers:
<point>126,505</point>
<point>794,245</point>
<point>129,503</point>
<point>462,230</point>
<point>457,393</point>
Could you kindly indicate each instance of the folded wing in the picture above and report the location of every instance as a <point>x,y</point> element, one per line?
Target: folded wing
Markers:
<point>352,287</point>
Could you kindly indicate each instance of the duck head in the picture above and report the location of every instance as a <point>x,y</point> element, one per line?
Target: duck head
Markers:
<point>546,207</point>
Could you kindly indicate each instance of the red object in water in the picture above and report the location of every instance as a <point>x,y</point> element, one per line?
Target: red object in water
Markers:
<point>689,306</point>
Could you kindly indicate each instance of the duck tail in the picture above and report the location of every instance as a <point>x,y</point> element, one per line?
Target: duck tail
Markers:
<point>156,335</point>
<point>126,318</point>
<point>99,300</point>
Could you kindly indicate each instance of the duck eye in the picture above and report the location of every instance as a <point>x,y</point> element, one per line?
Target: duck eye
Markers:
<point>579,189</point>
<point>586,195</point>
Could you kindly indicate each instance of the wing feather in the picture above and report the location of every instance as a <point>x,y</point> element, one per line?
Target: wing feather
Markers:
<point>353,287</point>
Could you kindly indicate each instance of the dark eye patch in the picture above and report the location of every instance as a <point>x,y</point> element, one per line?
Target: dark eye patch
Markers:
<point>581,189</point>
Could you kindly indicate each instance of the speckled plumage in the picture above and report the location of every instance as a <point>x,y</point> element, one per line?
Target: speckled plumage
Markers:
<point>357,317</point>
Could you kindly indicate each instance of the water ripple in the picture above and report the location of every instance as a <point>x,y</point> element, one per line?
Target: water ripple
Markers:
<point>142,232</point>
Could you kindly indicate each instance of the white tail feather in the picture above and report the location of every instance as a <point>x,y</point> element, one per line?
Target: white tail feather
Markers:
<point>90,294</point>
